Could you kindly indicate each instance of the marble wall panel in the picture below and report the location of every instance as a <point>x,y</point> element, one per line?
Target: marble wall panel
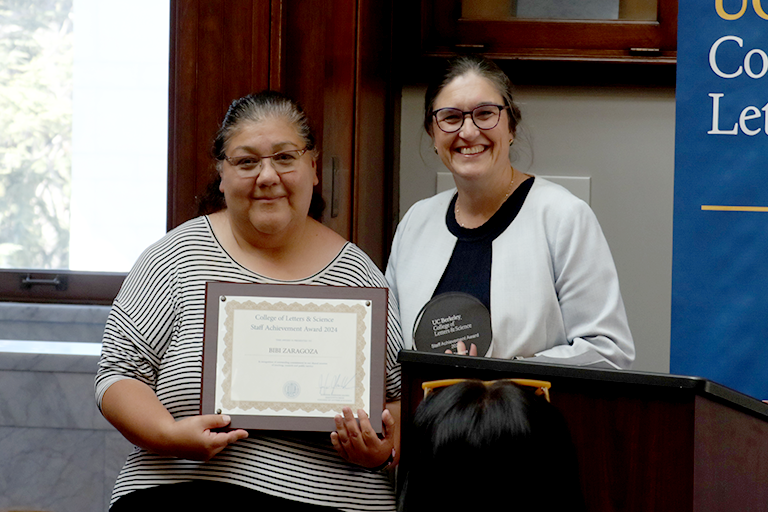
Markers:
<point>57,453</point>
<point>49,400</point>
<point>61,363</point>
<point>52,322</point>
<point>52,470</point>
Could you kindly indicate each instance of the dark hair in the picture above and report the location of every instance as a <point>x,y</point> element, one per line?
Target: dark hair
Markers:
<point>482,67</point>
<point>476,446</point>
<point>255,108</point>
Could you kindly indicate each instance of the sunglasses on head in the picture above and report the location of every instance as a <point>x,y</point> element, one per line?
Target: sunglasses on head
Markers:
<point>541,387</point>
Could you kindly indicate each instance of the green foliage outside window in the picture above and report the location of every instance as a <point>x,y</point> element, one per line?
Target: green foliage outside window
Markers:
<point>36,62</point>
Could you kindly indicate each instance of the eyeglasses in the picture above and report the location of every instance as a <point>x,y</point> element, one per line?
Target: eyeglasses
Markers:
<point>541,386</point>
<point>485,117</point>
<point>250,166</point>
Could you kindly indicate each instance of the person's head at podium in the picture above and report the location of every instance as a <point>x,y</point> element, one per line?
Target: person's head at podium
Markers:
<point>525,247</point>
<point>258,225</point>
<point>489,446</point>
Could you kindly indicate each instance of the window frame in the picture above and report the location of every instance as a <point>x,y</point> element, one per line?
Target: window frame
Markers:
<point>76,288</point>
<point>64,286</point>
<point>217,54</point>
<point>190,114</point>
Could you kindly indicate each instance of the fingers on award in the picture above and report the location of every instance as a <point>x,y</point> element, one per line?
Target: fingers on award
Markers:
<point>289,357</point>
<point>452,318</point>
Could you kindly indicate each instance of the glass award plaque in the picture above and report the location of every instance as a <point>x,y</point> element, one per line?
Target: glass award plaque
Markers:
<point>450,318</point>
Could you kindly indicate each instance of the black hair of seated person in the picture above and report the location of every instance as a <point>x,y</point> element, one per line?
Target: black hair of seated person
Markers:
<point>255,108</point>
<point>478,447</point>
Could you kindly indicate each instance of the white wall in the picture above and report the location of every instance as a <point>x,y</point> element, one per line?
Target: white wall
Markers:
<point>623,140</point>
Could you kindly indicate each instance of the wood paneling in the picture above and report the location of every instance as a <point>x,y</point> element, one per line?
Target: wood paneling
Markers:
<point>220,50</point>
<point>334,57</point>
<point>319,71</point>
<point>444,32</point>
<point>374,198</point>
<point>730,454</point>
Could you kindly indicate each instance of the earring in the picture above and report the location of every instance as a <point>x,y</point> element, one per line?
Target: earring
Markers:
<point>511,142</point>
<point>435,148</point>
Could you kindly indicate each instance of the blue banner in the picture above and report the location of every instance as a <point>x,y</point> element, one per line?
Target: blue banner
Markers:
<point>720,248</point>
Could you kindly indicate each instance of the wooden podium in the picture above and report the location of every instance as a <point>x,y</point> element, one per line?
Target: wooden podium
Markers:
<point>645,441</point>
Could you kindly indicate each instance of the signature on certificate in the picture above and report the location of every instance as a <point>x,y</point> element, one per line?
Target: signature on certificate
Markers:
<point>331,384</point>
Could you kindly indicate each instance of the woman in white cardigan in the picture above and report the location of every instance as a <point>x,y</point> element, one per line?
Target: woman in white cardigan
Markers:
<point>529,250</point>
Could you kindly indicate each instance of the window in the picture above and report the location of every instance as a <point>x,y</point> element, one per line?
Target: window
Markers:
<point>83,144</point>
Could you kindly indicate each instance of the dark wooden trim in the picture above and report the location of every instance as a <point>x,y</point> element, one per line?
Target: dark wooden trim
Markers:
<point>506,36</point>
<point>443,32</point>
<point>181,134</point>
<point>276,46</point>
<point>374,126</point>
<point>318,45</point>
<point>723,436</point>
<point>79,288</point>
<point>543,72</point>
<point>220,51</point>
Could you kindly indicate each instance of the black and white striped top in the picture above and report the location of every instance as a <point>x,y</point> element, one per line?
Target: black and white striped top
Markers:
<point>155,334</point>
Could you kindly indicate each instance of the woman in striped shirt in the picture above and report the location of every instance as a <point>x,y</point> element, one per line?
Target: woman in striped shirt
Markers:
<point>258,230</point>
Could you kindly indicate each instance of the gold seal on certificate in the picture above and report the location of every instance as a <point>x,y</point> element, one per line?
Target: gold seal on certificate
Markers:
<point>289,357</point>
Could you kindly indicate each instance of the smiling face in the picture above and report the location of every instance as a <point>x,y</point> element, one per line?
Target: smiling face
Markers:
<point>471,153</point>
<point>271,203</point>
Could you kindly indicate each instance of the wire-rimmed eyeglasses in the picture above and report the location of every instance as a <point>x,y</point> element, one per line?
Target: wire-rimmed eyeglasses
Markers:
<point>485,117</point>
<point>250,166</point>
<point>541,387</point>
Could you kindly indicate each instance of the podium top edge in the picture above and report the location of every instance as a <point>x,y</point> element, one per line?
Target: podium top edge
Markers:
<point>504,367</point>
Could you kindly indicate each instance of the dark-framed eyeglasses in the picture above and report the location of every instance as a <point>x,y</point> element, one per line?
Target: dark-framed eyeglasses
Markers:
<point>485,117</point>
<point>250,166</point>
<point>540,387</point>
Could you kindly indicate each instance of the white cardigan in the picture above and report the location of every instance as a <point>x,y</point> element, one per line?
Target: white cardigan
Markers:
<point>554,286</point>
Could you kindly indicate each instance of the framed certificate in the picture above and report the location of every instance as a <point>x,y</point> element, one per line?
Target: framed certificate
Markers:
<point>289,357</point>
